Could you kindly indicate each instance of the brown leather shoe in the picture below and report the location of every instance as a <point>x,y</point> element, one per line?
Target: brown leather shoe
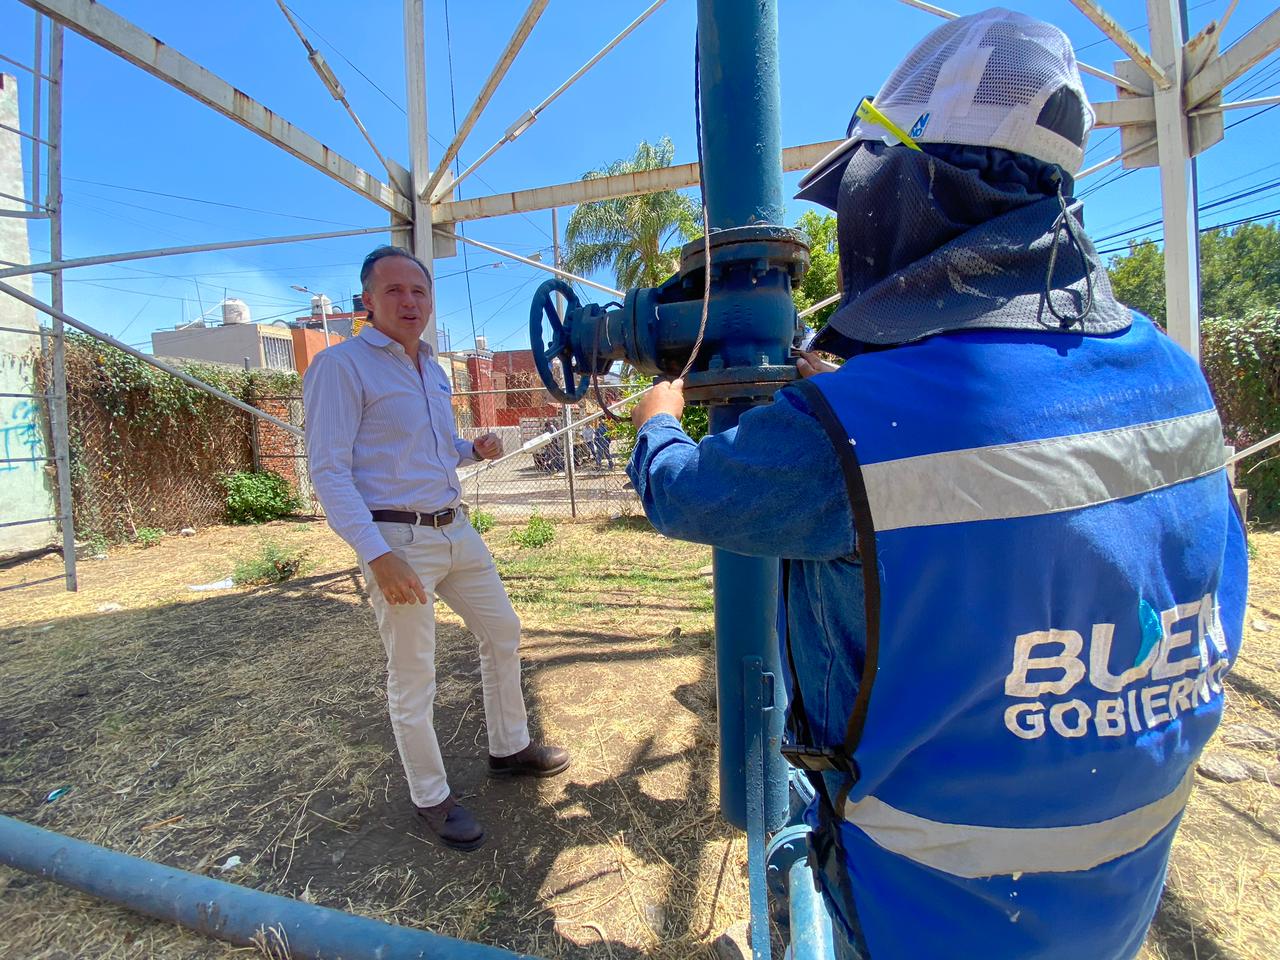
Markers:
<point>535,760</point>
<point>453,824</point>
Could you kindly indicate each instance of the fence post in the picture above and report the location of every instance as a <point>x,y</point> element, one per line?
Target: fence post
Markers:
<point>568,461</point>
<point>253,421</point>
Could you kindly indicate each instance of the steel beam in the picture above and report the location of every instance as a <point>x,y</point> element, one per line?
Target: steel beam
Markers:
<point>525,120</point>
<point>530,263</point>
<point>1120,36</point>
<point>1234,105</point>
<point>1235,61</point>
<point>1123,113</point>
<point>334,86</point>
<point>1110,113</point>
<point>523,29</point>
<point>53,265</point>
<point>1177,179</point>
<point>111,31</point>
<point>415,81</point>
<point>606,188</point>
<point>59,422</point>
<point>36,91</point>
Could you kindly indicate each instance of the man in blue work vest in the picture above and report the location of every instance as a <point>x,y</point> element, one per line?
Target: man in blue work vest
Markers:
<point>1015,576</point>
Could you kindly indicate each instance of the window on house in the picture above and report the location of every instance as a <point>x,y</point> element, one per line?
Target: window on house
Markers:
<point>277,353</point>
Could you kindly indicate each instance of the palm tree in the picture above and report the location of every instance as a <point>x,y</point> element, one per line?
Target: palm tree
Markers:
<point>633,235</point>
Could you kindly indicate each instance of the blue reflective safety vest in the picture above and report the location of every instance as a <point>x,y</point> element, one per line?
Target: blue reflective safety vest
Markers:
<point>1055,576</point>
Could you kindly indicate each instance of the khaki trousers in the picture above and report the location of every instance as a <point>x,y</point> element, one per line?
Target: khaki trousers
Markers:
<point>455,566</point>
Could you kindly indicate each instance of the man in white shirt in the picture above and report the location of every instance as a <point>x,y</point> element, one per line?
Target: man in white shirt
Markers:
<point>383,455</point>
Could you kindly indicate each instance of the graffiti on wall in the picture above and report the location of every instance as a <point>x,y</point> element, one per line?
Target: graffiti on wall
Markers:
<point>21,437</point>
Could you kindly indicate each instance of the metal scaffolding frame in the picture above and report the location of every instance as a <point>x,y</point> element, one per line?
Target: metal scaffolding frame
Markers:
<point>52,340</point>
<point>1168,108</point>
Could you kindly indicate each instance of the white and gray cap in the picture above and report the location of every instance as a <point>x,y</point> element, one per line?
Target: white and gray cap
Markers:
<point>991,79</point>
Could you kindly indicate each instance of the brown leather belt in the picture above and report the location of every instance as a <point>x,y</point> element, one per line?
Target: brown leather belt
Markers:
<point>441,518</point>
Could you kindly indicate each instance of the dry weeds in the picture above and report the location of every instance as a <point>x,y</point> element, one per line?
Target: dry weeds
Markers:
<point>193,727</point>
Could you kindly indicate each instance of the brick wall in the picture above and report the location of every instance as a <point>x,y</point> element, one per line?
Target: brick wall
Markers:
<point>483,408</point>
<point>280,451</point>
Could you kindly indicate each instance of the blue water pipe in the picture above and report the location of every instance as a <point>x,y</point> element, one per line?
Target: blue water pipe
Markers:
<point>749,262</point>
<point>223,910</point>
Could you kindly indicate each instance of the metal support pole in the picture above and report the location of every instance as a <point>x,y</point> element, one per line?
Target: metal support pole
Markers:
<point>415,80</point>
<point>1177,178</point>
<point>255,450</point>
<point>58,423</point>
<point>738,51</point>
<point>569,466</point>
<point>527,262</point>
<point>324,319</point>
<point>36,109</point>
<point>555,244</point>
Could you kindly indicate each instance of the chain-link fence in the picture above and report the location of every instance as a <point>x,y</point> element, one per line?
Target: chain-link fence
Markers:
<point>133,468</point>
<point>563,462</point>
<point>144,457</point>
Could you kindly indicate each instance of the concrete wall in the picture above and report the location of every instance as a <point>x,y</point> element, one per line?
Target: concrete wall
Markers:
<point>27,490</point>
<point>225,344</point>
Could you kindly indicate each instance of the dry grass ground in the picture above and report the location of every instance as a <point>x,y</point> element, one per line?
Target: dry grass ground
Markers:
<point>193,727</point>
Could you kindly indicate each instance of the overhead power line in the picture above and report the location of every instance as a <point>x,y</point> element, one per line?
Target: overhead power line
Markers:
<point>1270,214</point>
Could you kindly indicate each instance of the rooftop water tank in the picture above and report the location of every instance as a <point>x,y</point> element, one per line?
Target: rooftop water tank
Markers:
<point>235,311</point>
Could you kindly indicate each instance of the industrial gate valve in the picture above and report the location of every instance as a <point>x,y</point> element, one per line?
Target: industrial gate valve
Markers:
<point>751,323</point>
<point>563,350</point>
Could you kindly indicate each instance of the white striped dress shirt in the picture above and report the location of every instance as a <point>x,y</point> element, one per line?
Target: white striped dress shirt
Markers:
<point>380,436</point>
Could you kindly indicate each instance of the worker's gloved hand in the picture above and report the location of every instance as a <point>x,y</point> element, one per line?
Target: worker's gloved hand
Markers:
<point>487,447</point>
<point>665,397</point>
<point>811,362</point>
<point>396,579</point>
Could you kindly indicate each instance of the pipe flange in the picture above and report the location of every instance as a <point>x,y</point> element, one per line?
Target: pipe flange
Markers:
<point>777,246</point>
<point>737,383</point>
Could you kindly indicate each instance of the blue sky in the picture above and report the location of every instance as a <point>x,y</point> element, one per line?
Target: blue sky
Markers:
<point>146,166</point>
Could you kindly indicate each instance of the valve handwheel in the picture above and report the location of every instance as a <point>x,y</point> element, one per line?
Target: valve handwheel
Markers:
<point>560,346</point>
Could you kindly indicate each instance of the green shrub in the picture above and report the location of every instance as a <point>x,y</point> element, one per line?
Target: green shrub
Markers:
<point>258,497</point>
<point>271,564</point>
<point>537,533</point>
<point>149,536</point>
<point>482,521</point>
<point>1241,358</point>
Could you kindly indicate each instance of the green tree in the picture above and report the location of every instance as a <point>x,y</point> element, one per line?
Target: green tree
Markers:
<point>639,238</point>
<point>1138,279</point>
<point>1239,272</point>
<point>823,278</point>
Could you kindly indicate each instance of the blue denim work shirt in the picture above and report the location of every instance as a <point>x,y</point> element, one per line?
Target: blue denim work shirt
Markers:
<point>772,487</point>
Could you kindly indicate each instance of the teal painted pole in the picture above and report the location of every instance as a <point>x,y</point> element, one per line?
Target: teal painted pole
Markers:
<point>742,168</point>
<point>741,101</point>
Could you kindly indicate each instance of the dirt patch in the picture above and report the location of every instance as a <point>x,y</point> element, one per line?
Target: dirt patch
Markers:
<point>195,727</point>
